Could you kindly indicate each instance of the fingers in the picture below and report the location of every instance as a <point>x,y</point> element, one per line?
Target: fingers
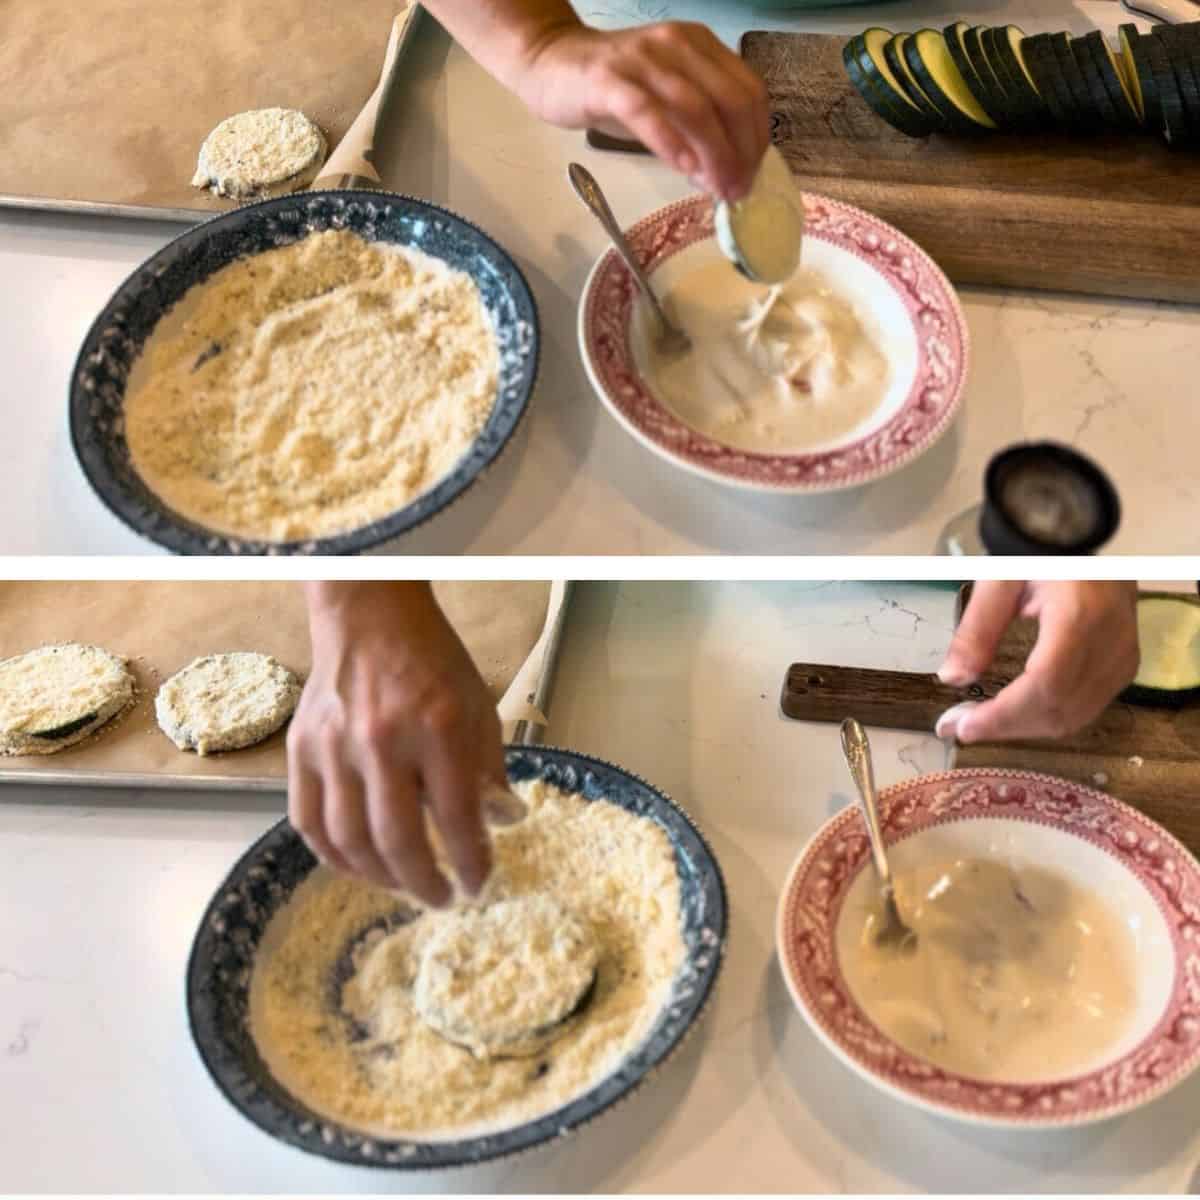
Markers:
<point>718,105</point>
<point>455,796</point>
<point>689,99</point>
<point>305,810</point>
<point>641,116</point>
<point>397,824</point>
<point>743,102</point>
<point>346,821</point>
<point>991,610</point>
<point>1020,710</point>
<point>1086,652</point>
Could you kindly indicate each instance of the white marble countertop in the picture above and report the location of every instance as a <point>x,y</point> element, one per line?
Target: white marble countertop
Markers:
<point>100,894</point>
<point>1116,379</point>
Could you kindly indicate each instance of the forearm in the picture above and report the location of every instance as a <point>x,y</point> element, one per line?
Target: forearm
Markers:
<point>339,609</point>
<point>503,36</point>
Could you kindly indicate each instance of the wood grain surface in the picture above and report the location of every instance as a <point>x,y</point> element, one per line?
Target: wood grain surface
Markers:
<point>1110,216</point>
<point>1148,757</point>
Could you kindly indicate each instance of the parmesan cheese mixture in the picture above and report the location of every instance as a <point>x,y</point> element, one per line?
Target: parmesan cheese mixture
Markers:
<point>312,389</point>
<point>332,994</point>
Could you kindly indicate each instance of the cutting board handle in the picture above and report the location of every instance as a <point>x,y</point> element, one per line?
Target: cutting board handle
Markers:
<point>889,699</point>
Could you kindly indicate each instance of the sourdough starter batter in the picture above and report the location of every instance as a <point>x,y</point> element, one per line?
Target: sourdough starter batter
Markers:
<point>1018,975</point>
<point>786,369</point>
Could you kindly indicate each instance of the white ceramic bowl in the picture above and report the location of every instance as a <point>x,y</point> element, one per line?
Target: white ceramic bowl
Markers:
<point>895,287</point>
<point>1147,877</point>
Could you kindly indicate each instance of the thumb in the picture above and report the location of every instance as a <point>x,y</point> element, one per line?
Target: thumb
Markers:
<point>993,607</point>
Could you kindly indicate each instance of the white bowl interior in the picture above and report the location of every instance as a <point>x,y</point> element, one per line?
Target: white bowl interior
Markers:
<point>877,303</point>
<point>1026,844</point>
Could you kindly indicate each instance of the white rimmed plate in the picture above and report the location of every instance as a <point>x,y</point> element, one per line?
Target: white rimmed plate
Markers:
<point>893,284</point>
<point>1148,877</point>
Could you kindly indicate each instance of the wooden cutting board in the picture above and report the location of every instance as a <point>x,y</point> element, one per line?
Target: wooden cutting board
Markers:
<point>1110,216</point>
<point>1149,758</point>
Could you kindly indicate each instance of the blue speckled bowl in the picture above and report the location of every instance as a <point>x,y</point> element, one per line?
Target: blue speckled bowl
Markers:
<point>218,980</point>
<point>116,338</point>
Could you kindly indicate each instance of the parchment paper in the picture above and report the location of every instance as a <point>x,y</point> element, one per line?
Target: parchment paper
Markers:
<point>162,626</point>
<point>109,100</point>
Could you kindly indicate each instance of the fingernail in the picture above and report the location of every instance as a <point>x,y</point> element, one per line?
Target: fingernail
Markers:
<point>687,163</point>
<point>951,723</point>
<point>954,674</point>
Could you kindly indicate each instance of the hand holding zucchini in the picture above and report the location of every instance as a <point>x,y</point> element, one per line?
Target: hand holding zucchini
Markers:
<point>976,79</point>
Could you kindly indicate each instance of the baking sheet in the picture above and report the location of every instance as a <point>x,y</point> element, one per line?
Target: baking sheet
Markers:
<point>104,105</point>
<point>162,626</point>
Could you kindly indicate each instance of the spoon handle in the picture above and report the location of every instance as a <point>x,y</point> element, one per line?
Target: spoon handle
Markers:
<point>588,190</point>
<point>857,750</point>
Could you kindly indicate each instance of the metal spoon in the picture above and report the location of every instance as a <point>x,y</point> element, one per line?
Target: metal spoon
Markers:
<point>893,934</point>
<point>673,339</point>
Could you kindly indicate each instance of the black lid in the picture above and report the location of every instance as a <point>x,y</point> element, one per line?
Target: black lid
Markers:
<point>1085,501</point>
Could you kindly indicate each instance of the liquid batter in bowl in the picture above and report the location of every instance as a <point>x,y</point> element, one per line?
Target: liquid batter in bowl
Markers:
<point>1019,974</point>
<point>786,369</point>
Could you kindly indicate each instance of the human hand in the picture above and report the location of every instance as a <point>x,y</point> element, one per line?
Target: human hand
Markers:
<point>394,717</point>
<point>673,86</point>
<point>1086,653</point>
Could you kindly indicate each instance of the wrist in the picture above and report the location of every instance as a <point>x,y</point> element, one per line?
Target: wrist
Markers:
<point>340,610</point>
<point>536,45</point>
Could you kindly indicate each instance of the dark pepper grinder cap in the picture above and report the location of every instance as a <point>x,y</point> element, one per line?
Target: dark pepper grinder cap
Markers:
<point>1044,498</point>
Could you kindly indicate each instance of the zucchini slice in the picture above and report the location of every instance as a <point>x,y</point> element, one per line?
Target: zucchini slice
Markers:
<point>990,100</point>
<point>65,731</point>
<point>1169,638</point>
<point>1140,76</point>
<point>1094,81</point>
<point>893,51</point>
<point>1024,110</point>
<point>1180,57</point>
<point>872,57</point>
<point>1085,103</point>
<point>1008,45</point>
<point>1108,67</point>
<point>1047,74</point>
<point>1174,121</point>
<point>930,61</point>
<point>885,100</point>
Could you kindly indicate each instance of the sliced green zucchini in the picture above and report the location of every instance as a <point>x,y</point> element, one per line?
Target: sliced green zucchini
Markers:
<point>1090,119</point>
<point>1047,74</point>
<point>972,41</point>
<point>1174,121</point>
<point>872,57</point>
<point>897,110</point>
<point>1008,45</point>
<point>1111,76</point>
<point>65,731</point>
<point>930,61</point>
<point>989,100</point>
<point>1140,76</point>
<point>893,52</point>
<point>1023,113</point>
<point>1108,112</point>
<point>1169,638</point>
<point>1179,55</point>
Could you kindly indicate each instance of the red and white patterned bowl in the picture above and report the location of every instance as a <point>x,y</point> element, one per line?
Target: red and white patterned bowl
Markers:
<point>1142,871</point>
<point>890,278</point>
